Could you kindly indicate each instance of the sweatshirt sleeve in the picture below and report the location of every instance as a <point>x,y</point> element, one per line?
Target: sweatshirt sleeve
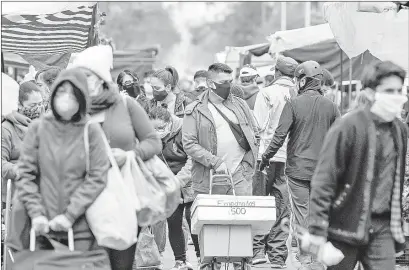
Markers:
<point>261,111</point>
<point>149,141</point>
<point>27,182</point>
<point>331,164</point>
<point>284,125</point>
<point>8,169</point>
<point>96,181</point>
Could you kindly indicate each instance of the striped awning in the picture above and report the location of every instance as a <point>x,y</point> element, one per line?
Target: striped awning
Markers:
<point>62,32</point>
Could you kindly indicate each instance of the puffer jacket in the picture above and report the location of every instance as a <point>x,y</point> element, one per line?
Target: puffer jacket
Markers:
<point>177,159</point>
<point>52,169</point>
<point>200,138</point>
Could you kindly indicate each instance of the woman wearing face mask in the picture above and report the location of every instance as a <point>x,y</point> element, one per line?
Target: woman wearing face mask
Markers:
<point>14,128</point>
<point>164,82</point>
<point>122,123</point>
<point>129,83</point>
<point>52,183</point>
<point>170,131</point>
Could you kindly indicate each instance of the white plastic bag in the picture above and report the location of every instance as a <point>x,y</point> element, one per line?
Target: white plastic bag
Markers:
<point>112,217</point>
<point>150,195</point>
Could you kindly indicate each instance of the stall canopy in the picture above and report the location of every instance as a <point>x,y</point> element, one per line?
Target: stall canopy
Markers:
<point>48,33</point>
<point>383,34</point>
<point>318,43</point>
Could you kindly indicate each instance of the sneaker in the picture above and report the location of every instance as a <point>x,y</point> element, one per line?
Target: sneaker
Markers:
<point>278,266</point>
<point>190,242</point>
<point>189,265</point>
<point>180,265</point>
<point>259,258</point>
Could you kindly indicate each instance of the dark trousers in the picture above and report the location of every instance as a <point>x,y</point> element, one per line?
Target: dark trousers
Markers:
<point>176,235</point>
<point>300,191</point>
<point>123,259</point>
<point>378,254</point>
<point>274,243</point>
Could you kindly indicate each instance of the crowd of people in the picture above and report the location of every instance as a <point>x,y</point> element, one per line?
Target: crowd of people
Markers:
<point>339,177</point>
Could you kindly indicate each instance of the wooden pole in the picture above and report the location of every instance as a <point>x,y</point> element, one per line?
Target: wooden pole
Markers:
<point>283,16</point>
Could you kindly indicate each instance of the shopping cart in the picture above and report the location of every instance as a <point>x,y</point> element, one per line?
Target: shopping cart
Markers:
<point>226,223</point>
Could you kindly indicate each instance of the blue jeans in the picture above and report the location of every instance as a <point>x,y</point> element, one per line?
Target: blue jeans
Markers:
<point>274,243</point>
<point>378,254</point>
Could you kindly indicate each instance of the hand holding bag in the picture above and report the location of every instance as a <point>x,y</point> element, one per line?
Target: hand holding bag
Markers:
<point>62,257</point>
<point>167,181</point>
<point>151,198</point>
<point>112,216</point>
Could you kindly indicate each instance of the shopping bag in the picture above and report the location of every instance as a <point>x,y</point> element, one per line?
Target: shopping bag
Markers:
<point>151,198</point>
<point>62,257</point>
<point>147,254</point>
<point>166,179</point>
<point>112,216</point>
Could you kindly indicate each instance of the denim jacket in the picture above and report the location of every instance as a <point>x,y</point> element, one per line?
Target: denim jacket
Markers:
<point>200,139</point>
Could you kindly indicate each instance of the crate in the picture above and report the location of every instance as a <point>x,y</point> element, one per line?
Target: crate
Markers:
<point>226,243</point>
<point>404,259</point>
<point>257,211</point>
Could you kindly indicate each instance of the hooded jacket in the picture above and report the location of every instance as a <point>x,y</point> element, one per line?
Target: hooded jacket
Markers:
<point>250,94</point>
<point>52,170</point>
<point>177,159</point>
<point>267,111</point>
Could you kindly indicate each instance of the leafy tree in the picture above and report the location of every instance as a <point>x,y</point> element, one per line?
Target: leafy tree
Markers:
<point>250,23</point>
<point>133,25</point>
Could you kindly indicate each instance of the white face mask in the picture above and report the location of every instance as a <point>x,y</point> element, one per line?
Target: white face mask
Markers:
<point>388,106</point>
<point>66,106</point>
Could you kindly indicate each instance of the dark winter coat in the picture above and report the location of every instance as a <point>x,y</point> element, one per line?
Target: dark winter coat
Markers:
<point>341,194</point>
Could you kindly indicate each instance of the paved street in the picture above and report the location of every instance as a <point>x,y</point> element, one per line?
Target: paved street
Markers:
<point>168,260</point>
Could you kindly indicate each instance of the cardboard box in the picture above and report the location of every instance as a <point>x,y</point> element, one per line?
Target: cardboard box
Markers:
<point>257,211</point>
<point>227,243</point>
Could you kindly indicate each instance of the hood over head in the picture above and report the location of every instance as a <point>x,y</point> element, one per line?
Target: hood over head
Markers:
<point>78,79</point>
<point>249,90</point>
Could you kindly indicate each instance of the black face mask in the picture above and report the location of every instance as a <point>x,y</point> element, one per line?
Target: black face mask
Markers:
<point>159,95</point>
<point>133,89</point>
<point>222,89</point>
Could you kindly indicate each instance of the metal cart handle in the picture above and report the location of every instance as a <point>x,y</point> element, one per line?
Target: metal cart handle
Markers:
<point>228,182</point>
<point>70,239</point>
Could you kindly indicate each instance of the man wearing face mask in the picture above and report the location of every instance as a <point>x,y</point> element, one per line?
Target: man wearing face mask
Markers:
<point>306,119</point>
<point>356,191</point>
<point>219,134</point>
